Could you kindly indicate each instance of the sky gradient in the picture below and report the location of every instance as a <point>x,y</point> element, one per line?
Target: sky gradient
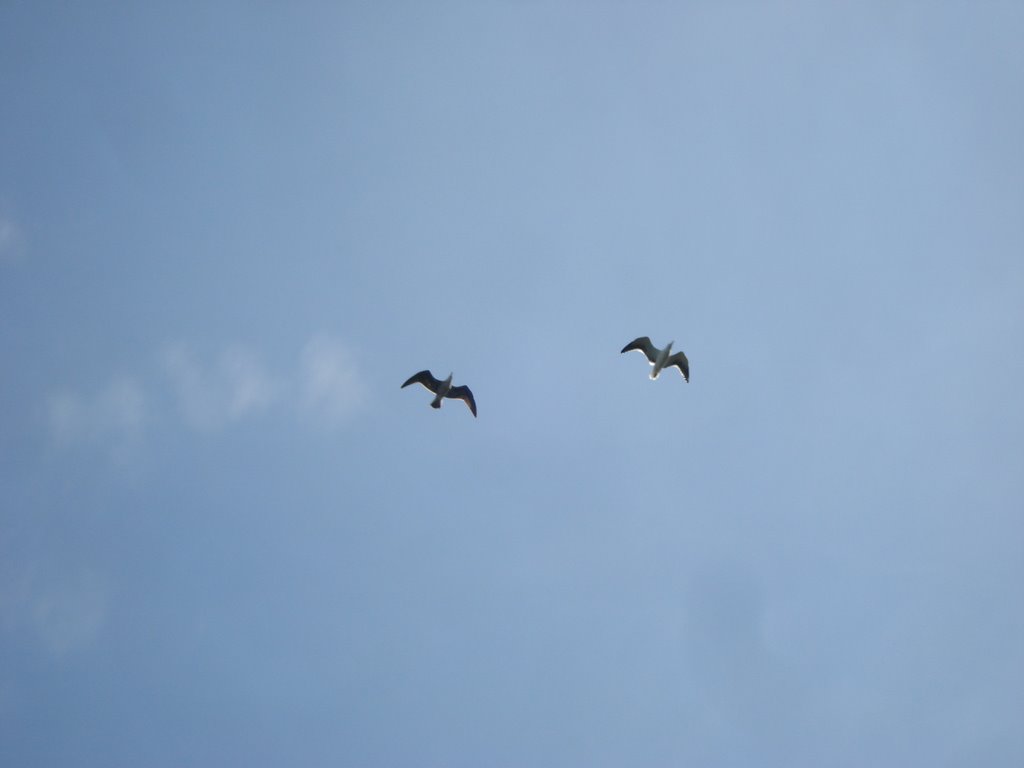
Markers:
<point>230,231</point>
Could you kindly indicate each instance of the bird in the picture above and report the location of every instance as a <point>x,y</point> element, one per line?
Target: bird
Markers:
<point>660,358</point>
<point>442,389</point>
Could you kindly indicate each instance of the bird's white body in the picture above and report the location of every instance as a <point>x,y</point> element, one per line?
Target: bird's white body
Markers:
<point>662,358</point>
<point>442,390</point>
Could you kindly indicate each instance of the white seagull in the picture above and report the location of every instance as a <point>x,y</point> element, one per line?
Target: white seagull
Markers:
<point>442,389</point>
<point>660,358</point>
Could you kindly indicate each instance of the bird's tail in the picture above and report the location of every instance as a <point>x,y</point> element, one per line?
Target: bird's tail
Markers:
<point>435,404</point>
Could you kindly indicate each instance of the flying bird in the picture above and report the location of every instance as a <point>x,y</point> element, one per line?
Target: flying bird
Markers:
<point>660,358</point>
<point>442,389</point>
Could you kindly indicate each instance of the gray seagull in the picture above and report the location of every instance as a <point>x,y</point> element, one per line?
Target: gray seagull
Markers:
<point>442,389</point>
<point>660,358</point>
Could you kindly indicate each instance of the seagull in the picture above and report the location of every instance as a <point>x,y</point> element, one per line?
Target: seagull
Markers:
<point>442,389</point>
<point>660,358</point>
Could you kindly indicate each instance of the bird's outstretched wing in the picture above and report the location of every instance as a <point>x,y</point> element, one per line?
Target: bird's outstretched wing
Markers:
<point>426,378</point>
<point>679,360</point>
<point>643,344</point>
<point>463,393</point>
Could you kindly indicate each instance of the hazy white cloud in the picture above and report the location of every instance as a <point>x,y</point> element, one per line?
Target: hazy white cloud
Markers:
<point>64,612</point>
<point>116,413</point>
<point>236,386</point>
<point>330,383</point>
<point>67,617</point>
<point>12,244</point>
<point>325,389</point>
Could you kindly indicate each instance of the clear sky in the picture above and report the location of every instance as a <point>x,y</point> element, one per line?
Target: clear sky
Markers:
<point>229,231</point>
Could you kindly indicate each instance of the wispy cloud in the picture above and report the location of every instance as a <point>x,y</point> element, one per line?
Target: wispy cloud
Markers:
<point>234,387</point>
<point>12,244</point>
<point>67,617</point>
<point>117,413</point>
<point>65,612</point>
<point>330,381</point>
<point>323,390</point>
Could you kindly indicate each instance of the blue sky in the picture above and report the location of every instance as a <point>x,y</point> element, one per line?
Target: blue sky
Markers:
<point>228,232</point>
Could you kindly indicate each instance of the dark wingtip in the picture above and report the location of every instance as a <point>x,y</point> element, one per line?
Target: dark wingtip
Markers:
<point>415,378</point>
<point>634,344</point>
